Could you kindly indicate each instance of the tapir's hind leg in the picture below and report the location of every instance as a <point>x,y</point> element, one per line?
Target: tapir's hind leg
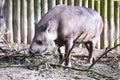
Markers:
<point>89,46</point>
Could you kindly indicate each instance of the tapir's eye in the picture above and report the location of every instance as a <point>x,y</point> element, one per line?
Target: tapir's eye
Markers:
<point>39,42</point>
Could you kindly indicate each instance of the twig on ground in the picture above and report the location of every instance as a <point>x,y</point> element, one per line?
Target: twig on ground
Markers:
<point>79,69</point>
<point>73,68</point>
<point>11,52</point>
<point>103,75</point>
<point>106,51</point>
<point>6,42</point>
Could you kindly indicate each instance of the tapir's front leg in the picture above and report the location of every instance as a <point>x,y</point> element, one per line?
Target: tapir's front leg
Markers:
<point>60,55</point>
<point>68,46</point>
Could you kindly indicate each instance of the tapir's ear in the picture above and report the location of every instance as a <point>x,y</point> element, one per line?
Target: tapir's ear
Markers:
<point>41,28</point>
<point>48,22</point>
<point>48,26</point>
<point>52,26</point>
<point>44,27</point>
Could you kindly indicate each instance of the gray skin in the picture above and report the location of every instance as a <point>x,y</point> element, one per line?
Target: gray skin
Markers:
<point>62,25</point>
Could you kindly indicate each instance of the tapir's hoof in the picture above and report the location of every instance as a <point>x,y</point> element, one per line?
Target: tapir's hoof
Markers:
<point>68,64</point>
<point>87,64</point>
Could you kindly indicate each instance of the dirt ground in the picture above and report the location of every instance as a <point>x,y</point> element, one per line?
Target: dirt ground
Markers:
<point>105,69</point>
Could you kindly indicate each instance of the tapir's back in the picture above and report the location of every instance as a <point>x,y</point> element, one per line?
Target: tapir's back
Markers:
<point>76,20</point>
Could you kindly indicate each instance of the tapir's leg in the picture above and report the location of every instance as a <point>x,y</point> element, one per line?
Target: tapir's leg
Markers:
<point>89,46</point>
<point>68,46</point>
<point>60,55</point>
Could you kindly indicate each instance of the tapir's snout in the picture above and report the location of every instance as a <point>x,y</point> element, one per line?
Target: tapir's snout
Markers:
<point>36,49</point>
<point>31,50</point>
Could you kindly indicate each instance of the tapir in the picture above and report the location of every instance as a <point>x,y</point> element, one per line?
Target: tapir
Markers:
<point>62,25</point>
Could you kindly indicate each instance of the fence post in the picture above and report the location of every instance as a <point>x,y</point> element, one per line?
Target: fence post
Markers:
<point>111,23</point>
<point>16,21</point>
<point>104,35</point>
<point>70,2</point>
<point>117,22</point>
<point>85,3</point>
<point>78,2</point>
<point>91,4</point>
<point>97,8</point>
<point>58,2</point>
<point>2,3</point>
<point>65,2</point>
<point>44,7</point>
<point>51,3</point>
<point>9,35</point>
<point>37,10</point>
<point>24,21</point>
<point>30,20</point>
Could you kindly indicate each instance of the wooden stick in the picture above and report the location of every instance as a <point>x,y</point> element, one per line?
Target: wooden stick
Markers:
<point>106,51</point>
<point>79,69</point>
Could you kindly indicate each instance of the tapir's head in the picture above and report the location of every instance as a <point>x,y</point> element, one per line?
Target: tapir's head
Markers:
<point>43,38</point>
